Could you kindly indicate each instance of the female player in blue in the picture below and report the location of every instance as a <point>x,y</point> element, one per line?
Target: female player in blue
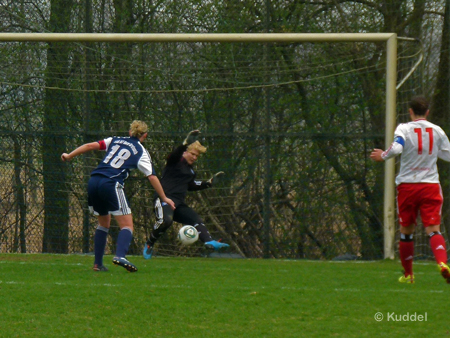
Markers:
<point>106,196</point>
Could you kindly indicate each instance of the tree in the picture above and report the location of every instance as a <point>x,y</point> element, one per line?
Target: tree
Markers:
<point>440,107</point>
<point>56,209</point>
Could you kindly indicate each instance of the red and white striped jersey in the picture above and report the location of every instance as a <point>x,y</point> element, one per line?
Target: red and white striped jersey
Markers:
<point>423,143</point>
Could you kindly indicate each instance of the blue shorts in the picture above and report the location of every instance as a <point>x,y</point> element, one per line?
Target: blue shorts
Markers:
<point>106,196</point>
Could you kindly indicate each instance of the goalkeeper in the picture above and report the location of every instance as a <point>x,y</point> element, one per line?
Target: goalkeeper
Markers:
<point>178,177</point>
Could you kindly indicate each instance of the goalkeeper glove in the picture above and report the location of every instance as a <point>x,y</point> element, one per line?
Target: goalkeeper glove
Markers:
<point>215,178</point>
<point>191,137</point>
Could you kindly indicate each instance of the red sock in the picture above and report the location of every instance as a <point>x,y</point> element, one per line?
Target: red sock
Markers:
<point>406,256</point>
<point>437,243</point>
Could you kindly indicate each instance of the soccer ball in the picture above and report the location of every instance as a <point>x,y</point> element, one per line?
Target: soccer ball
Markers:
<point>188,235</point>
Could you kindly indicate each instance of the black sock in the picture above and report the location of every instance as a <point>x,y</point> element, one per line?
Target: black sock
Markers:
<point>152,240</point>
<point>203,233</point>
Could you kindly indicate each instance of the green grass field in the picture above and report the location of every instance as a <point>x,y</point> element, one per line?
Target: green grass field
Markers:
<point>60,296</point>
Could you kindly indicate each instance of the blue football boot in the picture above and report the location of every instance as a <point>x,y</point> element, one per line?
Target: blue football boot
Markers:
<point>216,245</point>
<point>148,251</point>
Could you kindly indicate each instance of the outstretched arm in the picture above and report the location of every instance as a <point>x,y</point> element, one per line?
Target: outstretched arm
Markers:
<point>376,155</point>
<point>395,149</point>
<point>215,178</point>
<point>80,150</point>
<point>444,152</point>
<point>196,185</point>
<point>175,156</point>
<point>191,137</point>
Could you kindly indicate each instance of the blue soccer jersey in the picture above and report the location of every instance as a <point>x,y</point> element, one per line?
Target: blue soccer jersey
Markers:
<point>122,155</point>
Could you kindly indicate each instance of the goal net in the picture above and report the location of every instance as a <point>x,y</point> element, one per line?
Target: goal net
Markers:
<point>290,122</point>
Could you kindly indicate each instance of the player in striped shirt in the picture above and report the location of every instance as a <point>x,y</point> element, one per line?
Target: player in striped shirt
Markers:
<point>420,144</point>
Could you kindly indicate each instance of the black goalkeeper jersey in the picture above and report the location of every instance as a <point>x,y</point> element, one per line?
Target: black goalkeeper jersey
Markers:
<point>178,177</point>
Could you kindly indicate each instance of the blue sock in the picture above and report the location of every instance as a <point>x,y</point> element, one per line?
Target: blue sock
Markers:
<point>123,242</point>
<point>101,235</point>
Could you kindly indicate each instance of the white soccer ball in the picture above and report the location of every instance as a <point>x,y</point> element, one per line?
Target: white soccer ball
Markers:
<point>188,235</point>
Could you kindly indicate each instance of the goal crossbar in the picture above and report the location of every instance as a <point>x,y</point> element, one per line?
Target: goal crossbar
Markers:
<point>391,78</point>
<point>197,37</point>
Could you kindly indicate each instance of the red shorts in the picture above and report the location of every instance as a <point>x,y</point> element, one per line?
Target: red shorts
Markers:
<point>424,197</point>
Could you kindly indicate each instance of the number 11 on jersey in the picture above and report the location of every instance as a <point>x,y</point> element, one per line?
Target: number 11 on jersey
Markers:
<point>429,131</point>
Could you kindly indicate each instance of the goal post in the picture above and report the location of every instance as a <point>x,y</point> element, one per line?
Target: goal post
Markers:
<point>391,77</point>
<point>389,178</point>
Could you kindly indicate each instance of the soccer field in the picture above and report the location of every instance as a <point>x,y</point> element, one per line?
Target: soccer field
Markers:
<point>60,296</point>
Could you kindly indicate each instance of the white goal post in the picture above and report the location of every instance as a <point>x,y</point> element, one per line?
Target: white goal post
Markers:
<point>391,78</point>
